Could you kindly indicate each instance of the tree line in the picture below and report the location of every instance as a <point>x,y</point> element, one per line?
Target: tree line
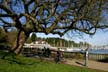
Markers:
<point>57,42</point>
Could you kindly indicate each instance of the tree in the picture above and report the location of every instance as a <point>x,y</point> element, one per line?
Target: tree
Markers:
<point>29,40</point>
<point>11,37</point>
<point>3,39</point>
<point>33,37</point>
<point>51,16</point>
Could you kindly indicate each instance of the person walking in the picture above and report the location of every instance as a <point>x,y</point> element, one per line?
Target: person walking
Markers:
<point>59,56</point>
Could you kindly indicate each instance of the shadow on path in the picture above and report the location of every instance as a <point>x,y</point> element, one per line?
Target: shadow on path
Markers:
<point>80,63</point>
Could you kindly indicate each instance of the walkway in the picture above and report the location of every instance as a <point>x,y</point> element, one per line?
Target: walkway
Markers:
<point>91,64</point>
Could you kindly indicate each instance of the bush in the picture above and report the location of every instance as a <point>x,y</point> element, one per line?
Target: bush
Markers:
<point>73,55</point>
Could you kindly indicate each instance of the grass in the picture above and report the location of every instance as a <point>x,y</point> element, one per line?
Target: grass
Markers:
<point>35,65</point>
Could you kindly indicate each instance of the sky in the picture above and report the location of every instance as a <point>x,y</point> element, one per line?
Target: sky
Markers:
<point>99,39</point>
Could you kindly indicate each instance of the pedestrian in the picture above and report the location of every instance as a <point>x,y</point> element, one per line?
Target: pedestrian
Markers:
<point>58,56</point>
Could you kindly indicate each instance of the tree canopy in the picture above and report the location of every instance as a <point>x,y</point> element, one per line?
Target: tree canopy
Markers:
<point>52,16</point>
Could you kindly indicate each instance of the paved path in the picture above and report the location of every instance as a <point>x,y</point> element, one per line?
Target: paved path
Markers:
<point>91,64</point>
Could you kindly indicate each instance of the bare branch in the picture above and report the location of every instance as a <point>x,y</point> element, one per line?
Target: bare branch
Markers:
<point>5,9</point>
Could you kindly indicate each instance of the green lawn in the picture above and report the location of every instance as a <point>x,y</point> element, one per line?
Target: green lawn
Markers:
<point>35,65</point>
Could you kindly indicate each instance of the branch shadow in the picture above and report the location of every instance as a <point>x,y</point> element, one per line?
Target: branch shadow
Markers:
<point>20,62</point>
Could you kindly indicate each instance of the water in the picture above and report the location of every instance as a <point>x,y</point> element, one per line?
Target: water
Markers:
<point>99,51</point>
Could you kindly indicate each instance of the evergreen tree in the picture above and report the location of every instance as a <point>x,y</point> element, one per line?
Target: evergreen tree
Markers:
<point>33,37</point>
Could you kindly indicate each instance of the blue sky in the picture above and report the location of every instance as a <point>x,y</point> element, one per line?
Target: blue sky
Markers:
<point>100,38</point>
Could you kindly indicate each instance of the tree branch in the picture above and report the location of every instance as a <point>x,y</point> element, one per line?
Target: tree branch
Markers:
<point>8,15</point>
<point>5,9</point>
<point>7,24</point>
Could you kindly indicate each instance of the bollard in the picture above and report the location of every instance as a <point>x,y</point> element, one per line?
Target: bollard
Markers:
<point>86,57</point>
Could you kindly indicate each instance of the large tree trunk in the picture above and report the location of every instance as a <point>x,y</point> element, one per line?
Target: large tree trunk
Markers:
<point>19,42</point>
<point>18,45</point>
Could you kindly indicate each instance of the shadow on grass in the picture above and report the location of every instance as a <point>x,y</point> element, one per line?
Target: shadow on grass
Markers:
<point>13,59</point>
<point>20,62</point>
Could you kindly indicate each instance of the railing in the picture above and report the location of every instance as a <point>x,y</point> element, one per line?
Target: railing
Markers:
<point>98,56</point>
